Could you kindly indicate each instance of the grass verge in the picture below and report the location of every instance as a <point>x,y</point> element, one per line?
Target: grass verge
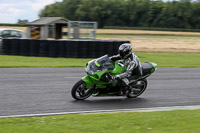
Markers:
<point>171,59</point>
<point>22,61</point>
<point>136,122</point>
<point>162,59</point>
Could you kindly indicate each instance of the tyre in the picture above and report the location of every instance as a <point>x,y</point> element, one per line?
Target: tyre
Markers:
<point>137,88</point>
<point>80,92</point>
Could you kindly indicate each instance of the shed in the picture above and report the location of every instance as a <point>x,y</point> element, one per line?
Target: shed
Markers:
<point>46,27</point>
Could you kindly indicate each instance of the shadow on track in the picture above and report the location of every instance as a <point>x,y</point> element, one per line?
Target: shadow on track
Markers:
<point>112,103</point>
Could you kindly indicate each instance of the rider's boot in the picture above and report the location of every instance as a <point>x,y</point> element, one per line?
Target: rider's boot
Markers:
<point>126,87</point>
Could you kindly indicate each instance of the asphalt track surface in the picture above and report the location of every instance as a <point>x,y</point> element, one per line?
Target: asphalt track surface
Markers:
<point>48,90</point>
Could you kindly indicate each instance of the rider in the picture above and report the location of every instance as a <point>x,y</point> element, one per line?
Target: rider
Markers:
<point>132,66</point>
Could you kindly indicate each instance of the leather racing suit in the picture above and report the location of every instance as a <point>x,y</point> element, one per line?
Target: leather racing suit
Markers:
<point>132,66</point>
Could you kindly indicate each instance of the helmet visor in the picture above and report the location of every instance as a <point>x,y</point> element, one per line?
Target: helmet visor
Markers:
<point>123,54</point>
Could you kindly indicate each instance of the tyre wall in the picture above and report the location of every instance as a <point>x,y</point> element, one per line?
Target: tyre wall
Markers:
<point>60,48</point>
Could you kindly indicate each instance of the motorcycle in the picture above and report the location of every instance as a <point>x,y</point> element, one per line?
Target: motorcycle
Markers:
<point>99,79</point>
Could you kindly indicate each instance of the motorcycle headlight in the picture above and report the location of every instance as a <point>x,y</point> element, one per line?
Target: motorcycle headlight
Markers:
<point>90,72</point>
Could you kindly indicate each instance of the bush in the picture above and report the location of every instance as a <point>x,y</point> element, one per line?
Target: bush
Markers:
<point>5,24</point>
<point>151,28</point>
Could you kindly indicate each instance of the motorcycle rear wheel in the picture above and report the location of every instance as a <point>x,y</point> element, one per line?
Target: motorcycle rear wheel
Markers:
<point>80,92</point>
<point>138,88</point>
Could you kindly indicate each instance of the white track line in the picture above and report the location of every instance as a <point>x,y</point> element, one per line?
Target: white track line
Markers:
<point>194,107</point>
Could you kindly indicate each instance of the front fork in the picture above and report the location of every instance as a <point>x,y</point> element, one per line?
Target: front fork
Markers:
<point>88,81</point>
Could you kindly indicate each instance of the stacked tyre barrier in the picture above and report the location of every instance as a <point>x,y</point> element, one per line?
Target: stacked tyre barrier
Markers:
<point>60,48</point>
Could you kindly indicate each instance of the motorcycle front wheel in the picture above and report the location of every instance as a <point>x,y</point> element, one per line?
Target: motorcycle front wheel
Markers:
<point>80,92</point>
<point>137,88</point>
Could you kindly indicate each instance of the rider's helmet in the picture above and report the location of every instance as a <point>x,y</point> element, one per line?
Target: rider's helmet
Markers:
<point>125,50</point>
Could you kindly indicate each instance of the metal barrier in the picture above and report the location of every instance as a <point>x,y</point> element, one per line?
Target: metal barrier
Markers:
<point>61,48</point>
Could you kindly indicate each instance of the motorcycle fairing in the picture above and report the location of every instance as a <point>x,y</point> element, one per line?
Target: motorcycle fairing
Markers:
<point>99,67</point>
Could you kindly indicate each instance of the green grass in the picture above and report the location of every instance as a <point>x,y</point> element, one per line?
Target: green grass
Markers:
<point>171,59</point>
<point>137,122</point>
<point>22,61</point>
<point>162,59</point>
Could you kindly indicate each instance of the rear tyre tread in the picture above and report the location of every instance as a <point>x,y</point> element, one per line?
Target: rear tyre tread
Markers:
<point>131,96</point>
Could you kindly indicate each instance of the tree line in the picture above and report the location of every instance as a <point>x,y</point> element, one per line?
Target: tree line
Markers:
<point>183,14</point>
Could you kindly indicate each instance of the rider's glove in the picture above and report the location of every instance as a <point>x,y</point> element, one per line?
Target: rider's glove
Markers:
<point>117,77</point>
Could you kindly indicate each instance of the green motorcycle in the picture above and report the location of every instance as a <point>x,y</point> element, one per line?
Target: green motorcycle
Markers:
<point>99,79</point>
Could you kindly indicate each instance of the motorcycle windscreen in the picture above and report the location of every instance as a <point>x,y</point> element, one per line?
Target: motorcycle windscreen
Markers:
<point>101,64</point>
